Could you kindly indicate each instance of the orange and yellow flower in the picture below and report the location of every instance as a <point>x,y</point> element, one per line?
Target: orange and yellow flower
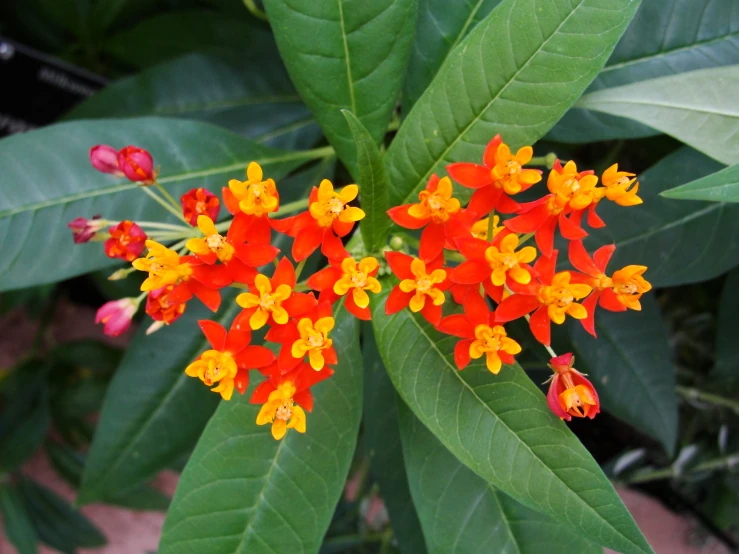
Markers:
<point>230,357</point>
<point>199,201</point>
<point>346,276</point>
<point>501,176</point>
<point>481,335</point>
<point>552,297</point>
<point>329,217</point>
<point>570,392</point>
<point>421,287</point>
<point>251,202</point>
<point>127,241</point>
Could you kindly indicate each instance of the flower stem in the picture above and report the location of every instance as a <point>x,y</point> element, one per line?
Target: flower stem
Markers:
<point>255,11</point>
<point>162,202</point>
<point>491,225</point>
<point>169,198</point>
<point>525,238</point>
<point>695,394</point>
<point>299,269</point>
<point>545,161</point>
<point>725,462</point>
<point>291,207</point>
<point>168,226</point>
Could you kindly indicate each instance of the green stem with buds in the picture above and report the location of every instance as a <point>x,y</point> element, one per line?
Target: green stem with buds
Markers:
<point>161,202</point>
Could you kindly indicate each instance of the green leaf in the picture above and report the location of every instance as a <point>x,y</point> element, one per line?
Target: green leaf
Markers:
<point>153,413</point>
<point>372,180</point>
<point>345,54</point>
<point>254,98</point>
<point>693,107</point>
<point>501,427</point>
<point>47,181</point>
<point>439,30</point>
<point>56,522</point>
<point>16,521</point>
<point>722,186</point>
<point>630,365</point>
<point>461,513</point>
<point>494,82</point>
<point>382,436</point>
<point>25,417</point>
<point>242,491</point>
<point>727,347</point>
<point>679,241</point>
<point>70,464</point>
<point>664,38</point>
<point>170,35</point>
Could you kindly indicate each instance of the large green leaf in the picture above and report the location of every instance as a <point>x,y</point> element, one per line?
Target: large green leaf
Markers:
<point>664,38</point>
<point>372,179</point>
<point>462,514</point>
<point>153,413</point>
<point>693,107</point>
<point>501,427</point>
<point>242,491</point>
<point>727,345</point>
<point>345,54</point>
<point>382,437</point>
<point>516,73</point>
<point>722,186</point>
<point>680,241</point>
<point>438,31</point>
<point>631,366</point>
<point>16,521</point>
<point>254,98</point>
<point>47,181</point>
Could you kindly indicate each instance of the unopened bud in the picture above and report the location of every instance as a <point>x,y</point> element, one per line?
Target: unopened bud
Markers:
<point>396,243</point>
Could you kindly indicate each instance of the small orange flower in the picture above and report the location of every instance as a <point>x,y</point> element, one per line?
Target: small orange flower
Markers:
<point>197,202</point>
<point>328,217</point>
<point>570,392</point>
<point>255,196</point>
<point>313,340</point>
<point>480,228</point>
<point>229,356</point>
<point>501,176</point>
<point>618,186</point>
<point>421,287</point>
<point>341,277</point>
<point>440,215</point>
<point>553,296</point>
<point>161,308</point>
<point>127,241</point>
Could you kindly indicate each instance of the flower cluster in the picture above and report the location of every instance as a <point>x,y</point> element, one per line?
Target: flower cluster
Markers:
<point>237,253</point>
<point>498,278</point>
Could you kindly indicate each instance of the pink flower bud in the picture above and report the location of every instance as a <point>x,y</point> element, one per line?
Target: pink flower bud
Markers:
<point>84,229</point>
<point>104,158</point>
<point>116,315</point>
<point>136,164</point>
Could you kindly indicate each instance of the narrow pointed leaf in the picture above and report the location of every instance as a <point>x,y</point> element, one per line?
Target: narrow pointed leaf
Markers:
<point>722,186</point>
<point>382,436</point>
<point>254,98</point>
<point>684,234</point>
<point>439,30</point>
<point>493,82</point>
<point>242,491</point>
<point>47,181</point>
<point>631,366</point>
<point>17,524</point>
<point>462,514</point>
<point>345,54</point>
<point>664,38</point>
<point>372,180</point>
<point>501,427</point>
<point>693,107</point>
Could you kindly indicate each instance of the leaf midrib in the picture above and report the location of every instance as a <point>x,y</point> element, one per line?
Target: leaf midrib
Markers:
<point>347,60</point>
<point>520,441</point>
<point>477,118</point>
<point>671,224</point>
<point>593,98</point>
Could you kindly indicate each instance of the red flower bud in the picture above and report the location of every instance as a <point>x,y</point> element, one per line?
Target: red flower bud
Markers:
<point>104,158</point>
<point>84,229</point>
<point>127,241</point>
<point>570,392</point>
<point>116,315</point>
<point>136,164</point>
<point>197,202</point>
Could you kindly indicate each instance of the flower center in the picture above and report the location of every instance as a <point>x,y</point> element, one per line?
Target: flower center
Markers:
<point>488,340</point>
<point>285,411</point>
<point>513,168</point>
<point>335,205</point>
<point>434,203</point>
<point>316,340</point>
<point>626,288</point>
<point>560,296</point>
<point>268,302</point>
<point>215,242</point>
<point>359,279</point>
<point>200,207</point>
<point>423,284</point>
